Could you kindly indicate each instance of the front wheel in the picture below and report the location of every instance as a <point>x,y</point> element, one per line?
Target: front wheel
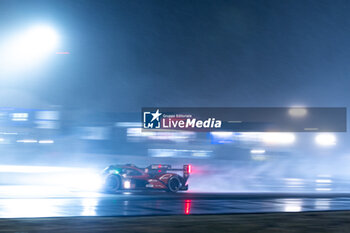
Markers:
<point>113,183</point>
<point>174,184</point>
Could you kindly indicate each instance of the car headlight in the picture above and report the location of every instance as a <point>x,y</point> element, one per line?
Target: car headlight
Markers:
<point>127,184</point>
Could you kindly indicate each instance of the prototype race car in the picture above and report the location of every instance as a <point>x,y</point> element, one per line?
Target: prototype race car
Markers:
<point>156,176</point>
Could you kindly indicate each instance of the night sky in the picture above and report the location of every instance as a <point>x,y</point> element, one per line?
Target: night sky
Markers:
<point>128,54</point>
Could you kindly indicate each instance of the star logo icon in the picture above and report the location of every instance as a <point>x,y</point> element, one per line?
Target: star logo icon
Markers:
<point>156,115</point>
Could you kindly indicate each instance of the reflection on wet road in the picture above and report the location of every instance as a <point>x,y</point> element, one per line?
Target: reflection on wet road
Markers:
<point>33,202</point>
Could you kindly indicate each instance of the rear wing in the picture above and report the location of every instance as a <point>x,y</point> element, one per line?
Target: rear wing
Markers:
<point>187,169</point>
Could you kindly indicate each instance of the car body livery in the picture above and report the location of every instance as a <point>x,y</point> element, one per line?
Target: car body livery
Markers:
<point>156,176</point>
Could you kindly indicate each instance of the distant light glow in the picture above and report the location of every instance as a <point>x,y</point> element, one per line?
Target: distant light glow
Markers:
<point>324,175</point>
<point>222,134</point>
<point>46,141</point>
<point>27,141</point>
<point>7,133</point>
<point>133,125</point>
<point>179,153</point>
<point>19,116</point>
<point>323,181</point>
<point>297,112</point>
<point>257,151</point>
<point>258,154</point>
<point>322,204</point>
<point>222,137</point>
<point>200,154</point>
<point>258,157</point>
<point>325,139</point>
<point>278,138</point>
<point>47,115</point>
<point>294,182</point>
<point>323,189</point>
<point>19,119</point>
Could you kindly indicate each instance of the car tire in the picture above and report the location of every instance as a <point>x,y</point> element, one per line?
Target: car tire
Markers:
<point>113,183</point>
<point>174,184</point>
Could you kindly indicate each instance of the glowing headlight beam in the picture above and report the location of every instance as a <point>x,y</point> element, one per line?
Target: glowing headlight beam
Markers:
<point>127,184</point>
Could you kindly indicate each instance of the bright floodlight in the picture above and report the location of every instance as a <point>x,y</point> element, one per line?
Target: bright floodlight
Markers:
<point>29,47</point>
<point>37,41</point>
<point>325,139</point>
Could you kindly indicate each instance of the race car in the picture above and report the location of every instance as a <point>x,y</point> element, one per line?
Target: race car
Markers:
<point>155,176</point>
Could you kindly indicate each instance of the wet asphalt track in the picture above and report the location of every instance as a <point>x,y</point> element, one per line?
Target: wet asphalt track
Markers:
<point>46,203</point>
